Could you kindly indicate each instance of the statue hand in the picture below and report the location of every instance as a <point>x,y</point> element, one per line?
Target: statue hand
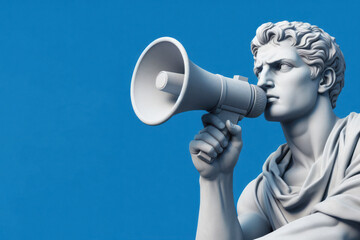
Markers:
<point>219,140</point>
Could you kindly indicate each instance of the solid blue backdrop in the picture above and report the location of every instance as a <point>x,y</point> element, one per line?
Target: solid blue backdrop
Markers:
<point>76,163</point>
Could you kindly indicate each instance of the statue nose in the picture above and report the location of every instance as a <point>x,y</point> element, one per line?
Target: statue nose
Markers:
<point>265,79</point>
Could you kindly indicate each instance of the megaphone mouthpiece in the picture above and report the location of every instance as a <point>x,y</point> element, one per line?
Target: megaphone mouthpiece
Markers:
<point>169,82</point>
<point>259,102</point>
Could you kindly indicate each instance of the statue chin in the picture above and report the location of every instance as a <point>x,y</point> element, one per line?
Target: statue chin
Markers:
<point>281,116</point>
<point>274,114</point>
<point>274,118</point>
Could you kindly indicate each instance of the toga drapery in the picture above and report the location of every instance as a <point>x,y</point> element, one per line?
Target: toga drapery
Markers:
<point>331,188</point>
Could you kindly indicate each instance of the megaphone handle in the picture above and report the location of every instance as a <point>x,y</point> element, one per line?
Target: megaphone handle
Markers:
<point>224,116</point>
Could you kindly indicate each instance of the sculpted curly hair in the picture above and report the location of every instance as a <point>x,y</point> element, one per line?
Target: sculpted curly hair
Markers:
<point>316,48</point>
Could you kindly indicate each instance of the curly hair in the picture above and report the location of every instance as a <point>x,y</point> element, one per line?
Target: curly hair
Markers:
<point>316,48</point>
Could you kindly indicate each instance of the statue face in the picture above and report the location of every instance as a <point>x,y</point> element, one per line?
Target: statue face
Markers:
<point>284,76</point>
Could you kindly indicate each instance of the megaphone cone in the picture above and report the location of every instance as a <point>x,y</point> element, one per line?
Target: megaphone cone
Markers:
<point>165,82</point>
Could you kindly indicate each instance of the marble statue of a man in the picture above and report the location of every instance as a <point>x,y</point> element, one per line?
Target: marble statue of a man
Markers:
<point>310,186</point>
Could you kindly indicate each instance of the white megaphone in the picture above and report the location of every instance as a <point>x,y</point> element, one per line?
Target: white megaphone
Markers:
<point>165,82</point>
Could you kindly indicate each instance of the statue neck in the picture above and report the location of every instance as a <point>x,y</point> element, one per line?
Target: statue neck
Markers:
<point>307,136</point>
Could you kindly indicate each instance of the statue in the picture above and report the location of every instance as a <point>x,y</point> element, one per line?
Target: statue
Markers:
<point>310,186</point>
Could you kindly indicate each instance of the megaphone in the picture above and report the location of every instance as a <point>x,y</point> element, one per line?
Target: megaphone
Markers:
<point>165,82</point>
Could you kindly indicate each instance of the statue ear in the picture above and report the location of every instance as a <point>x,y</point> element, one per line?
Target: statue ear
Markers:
<point>327,80</point>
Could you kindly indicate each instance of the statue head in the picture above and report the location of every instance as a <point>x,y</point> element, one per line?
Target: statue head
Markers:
<point>316,48</point>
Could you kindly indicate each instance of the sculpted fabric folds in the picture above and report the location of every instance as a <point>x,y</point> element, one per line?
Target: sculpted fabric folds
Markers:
<point>332,186</point>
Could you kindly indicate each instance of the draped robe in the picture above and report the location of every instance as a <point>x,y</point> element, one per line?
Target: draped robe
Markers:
<point>329,195</point>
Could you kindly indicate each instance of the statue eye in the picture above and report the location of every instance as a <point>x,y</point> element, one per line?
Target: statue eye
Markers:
<point>284,67</point>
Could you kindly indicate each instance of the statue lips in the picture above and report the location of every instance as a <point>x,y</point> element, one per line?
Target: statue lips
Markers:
<point>271,98</point>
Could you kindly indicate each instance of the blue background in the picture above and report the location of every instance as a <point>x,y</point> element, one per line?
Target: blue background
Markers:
<point>75,162</point>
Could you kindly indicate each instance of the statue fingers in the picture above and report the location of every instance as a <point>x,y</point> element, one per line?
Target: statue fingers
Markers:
<point>235,132</point>
<point>208,138</point>
<point>197,146</point>
<point>217,134</point>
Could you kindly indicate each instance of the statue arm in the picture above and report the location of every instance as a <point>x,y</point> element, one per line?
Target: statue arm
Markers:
<point>253,222</point>
<point>313,227</point>
<point>217,214</point>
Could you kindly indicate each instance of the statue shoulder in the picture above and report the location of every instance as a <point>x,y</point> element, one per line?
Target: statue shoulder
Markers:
<point>353,131</point>
<point>352,124</point>
<point>353,118</point>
